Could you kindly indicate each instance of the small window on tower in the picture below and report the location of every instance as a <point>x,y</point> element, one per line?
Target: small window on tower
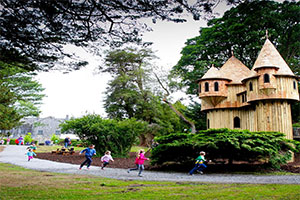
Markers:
<point>216,86</point>
<point>206,86</point>
<point>208,126</point>
<point>236,122</point>
<point>266,78</point>
<point>199,87</point>
<point>250,86</point>
<point>295,86</point>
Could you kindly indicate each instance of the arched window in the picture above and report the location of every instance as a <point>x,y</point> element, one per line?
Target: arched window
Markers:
<point>206,86</point>
<point>266,78</point>
<point>250,86</point>
<point>208,126</point>
<point>236,122</point>
<point>199,87</point>
<point>295,86</point>
<point>216,86</point>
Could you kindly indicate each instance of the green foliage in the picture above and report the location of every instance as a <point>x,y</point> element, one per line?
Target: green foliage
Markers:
<point>27,138</point>
<point>55,139</point>
<point>20,95</point>
<point>239,145</point>
<point>106,134</point>
<point>241,29</point>
<point>296,125</point>
<point>129,94</point>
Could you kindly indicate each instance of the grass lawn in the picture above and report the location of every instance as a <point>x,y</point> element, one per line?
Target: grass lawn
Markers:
<point>22,183</point>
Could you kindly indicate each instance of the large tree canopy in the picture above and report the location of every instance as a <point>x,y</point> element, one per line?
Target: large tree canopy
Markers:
<point>241,29</point>
<point>34,31</point>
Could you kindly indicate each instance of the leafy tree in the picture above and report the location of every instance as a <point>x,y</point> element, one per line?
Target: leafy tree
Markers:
<point>106,134</point>
<point>130,94</point>
<point>19,97</point>
<point>241,29</point>
<point>127,94</point>
<point>239,145</point>
<point>35,31</point>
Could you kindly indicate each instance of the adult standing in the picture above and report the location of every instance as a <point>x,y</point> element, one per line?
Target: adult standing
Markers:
<point>67,141</point>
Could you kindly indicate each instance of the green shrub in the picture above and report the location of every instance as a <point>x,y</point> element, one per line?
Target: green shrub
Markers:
<point>55,139</point>
<point>296,125</point>
<point>239,145</point>
<point>106,134</point>
<point>27,138</point>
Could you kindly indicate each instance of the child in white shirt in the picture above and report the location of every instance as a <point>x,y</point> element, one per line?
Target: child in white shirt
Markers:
<point>106,158</point>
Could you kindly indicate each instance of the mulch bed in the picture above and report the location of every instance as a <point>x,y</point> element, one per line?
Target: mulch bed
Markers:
<point>128,162</point>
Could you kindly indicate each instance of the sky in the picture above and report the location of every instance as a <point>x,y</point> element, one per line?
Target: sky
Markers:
<point>81,92</point>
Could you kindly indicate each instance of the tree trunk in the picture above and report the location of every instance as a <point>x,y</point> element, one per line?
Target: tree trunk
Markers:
<point>179,114</point>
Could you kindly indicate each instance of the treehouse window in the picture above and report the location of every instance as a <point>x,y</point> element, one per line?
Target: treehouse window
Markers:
<point>206,86</point>
<point>208,127</point>
<point>236,122</point>
<point>216,86</point>
<point>266,78</point>
<point>250,86</point>
<point>199,87</point>
<point>295,86</point>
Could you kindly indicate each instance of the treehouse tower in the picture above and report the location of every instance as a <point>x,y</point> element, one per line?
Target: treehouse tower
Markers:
<point>258,99</point>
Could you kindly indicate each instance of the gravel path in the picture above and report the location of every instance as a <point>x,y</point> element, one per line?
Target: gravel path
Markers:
<point>16,155</point>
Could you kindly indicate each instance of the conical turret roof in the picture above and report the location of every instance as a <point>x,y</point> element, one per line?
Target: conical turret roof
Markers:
<point>212,73</point>
<point>234,70</point>
<point>270,57</point>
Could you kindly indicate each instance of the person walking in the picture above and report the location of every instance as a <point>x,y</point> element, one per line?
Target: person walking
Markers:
<point>89,153</point>
<point>30,154</point>
<point>199,164</point>
<point>139,161</point>
<point>106,158</point>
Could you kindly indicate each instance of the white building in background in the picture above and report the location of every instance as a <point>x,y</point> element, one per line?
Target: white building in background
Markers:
<point>41,129</point>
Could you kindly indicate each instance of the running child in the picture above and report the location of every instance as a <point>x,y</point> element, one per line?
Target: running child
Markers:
<point>139,161</point>
<point>30,154</point>
<point>89,153</point>
<point>199,164</point>
<point>106,158</point>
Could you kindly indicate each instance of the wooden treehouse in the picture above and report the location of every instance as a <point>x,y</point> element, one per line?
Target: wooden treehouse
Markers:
<point>258,99</point>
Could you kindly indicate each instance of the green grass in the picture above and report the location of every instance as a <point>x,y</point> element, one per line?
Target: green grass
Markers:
<point>137,148</point>
<point>22,183</point>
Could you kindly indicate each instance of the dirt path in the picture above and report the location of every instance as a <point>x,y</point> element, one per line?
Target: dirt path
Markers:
<point>16,155</point>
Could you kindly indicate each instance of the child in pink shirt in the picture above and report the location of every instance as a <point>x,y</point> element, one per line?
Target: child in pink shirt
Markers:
<point>139,161</point>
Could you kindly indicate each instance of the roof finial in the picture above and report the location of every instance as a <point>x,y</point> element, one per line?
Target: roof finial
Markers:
<point>267,36</point>
<point>232,54</point>
<point>213,65</point>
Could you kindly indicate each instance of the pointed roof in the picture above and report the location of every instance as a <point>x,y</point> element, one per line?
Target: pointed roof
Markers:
<point>234,70</point>
<point>212,73</point>
<point>270,57</point>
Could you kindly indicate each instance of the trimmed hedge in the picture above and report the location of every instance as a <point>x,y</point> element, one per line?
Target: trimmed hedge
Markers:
<point>238,145</point>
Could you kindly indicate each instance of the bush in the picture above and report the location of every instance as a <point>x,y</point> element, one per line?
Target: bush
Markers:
<point>296,125</point>
<point>27,139</point>
<point>106,134</point>
<point>55,139</point>
<point>239,145</point>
